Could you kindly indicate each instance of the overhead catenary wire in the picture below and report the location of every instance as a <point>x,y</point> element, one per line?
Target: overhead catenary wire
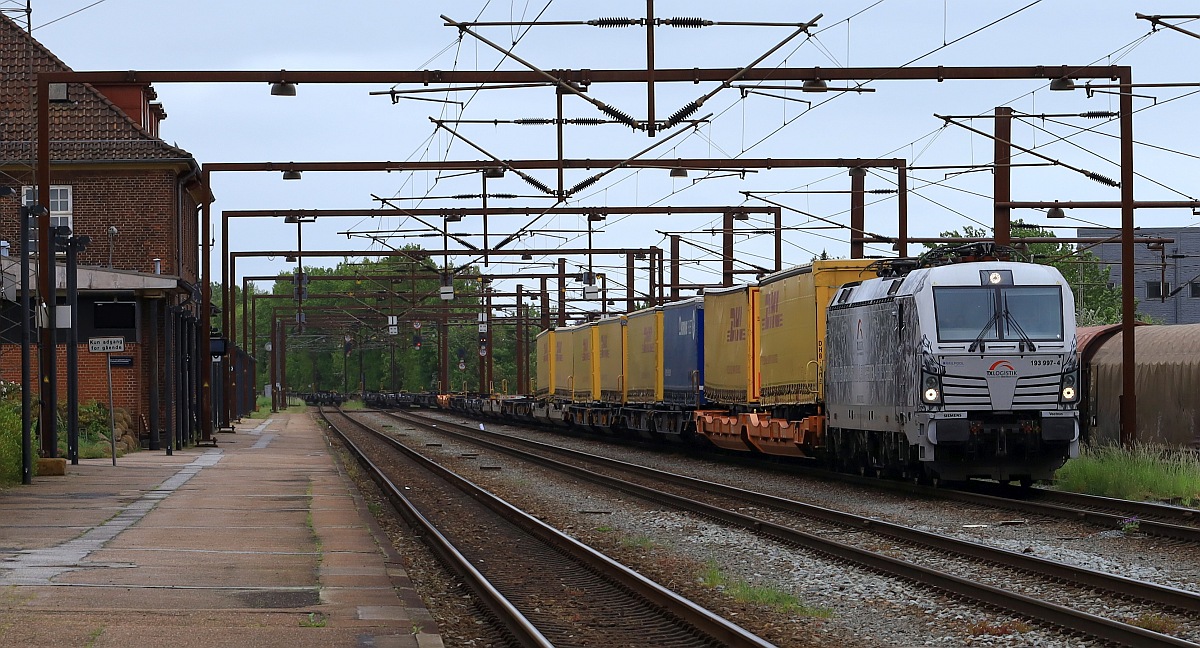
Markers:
<point>937,184</point>
<point>693,106</point>
<point>566,87</point>
<point>1092,175</point>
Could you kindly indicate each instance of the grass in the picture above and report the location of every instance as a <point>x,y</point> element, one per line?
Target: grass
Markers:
<point>312,528</point>
<point>1155,623</point>
<point>94,635</point>
<point>772,597</point>
<point>1139,473</point>
<point>263,411</point>
<point>638,542</point>
<point>314,620</point>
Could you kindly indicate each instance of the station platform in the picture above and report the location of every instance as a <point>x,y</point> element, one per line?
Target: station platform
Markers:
<point>260,541</point>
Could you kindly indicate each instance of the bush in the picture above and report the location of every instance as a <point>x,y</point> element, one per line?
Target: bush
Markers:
<point>10,442</point>
<point>93,432</point>
<point>10,433</point>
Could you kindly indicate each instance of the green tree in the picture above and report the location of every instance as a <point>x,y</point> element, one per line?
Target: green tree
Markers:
<point>1096,302</point>
<point>320,358</point>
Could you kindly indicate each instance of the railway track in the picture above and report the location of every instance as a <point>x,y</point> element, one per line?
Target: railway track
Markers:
<point>1160,520</point>
<point>994,577</point>
<point>542,587</point>
<point>1153,519</point>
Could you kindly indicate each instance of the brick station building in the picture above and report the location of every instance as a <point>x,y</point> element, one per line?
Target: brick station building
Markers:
<point>137,198</point>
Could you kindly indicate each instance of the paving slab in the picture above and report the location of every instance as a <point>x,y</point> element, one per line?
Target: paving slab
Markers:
<point>261,540</point>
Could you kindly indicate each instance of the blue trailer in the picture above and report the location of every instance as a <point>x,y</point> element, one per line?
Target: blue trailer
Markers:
<point>683,353</point>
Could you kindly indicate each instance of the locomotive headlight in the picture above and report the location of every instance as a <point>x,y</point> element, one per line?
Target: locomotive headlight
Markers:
<point>932,389</point>
<point>1069,392</point>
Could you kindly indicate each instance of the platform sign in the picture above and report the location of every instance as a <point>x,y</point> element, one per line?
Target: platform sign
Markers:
<point>109,345</point>
<point>106,344</point>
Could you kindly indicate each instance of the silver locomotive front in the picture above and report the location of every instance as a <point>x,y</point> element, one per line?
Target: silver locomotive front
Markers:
<point>996,394</point>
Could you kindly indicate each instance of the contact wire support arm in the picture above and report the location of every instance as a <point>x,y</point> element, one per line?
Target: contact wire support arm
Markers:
<point>684,112</point>
<point>1091,175</point>
<point>533,182</point>
<point>600,105</point>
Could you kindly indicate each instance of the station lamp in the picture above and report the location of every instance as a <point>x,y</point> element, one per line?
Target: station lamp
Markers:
<point>283,88</point>
<point>815,85</point>
<point>1062,84</point>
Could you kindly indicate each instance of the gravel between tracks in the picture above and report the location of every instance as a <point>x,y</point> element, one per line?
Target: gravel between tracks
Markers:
<point>863,608</point>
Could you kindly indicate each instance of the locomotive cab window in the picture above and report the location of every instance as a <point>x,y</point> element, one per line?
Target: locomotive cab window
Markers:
<point>1004,312</point>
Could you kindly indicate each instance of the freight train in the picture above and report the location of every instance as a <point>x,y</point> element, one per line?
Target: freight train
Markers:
<point>960,364</point>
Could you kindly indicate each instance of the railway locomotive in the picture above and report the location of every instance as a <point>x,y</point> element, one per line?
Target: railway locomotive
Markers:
<point>958,365</point>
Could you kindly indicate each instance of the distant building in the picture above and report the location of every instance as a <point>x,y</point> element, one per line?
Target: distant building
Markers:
<point>113,179</point>
<point>1167,280</point>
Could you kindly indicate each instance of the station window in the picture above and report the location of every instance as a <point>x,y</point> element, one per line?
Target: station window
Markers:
<point>1157,289</point>
<point>1194,289</point>
<point>60,205</point>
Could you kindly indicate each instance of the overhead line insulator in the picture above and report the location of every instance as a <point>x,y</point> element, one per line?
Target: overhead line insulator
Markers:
<point>607,23</point>
<point>587,182</point>
<point>534,121</point>
<point>1097,114</point>
<point>688,22</point>
<point>587,121</point>
<point>619,116</point>
<point>537,184</point>
<point>1104,180</point>
<point>682,114</point>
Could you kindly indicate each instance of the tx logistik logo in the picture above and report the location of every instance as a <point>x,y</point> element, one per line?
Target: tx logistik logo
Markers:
<point>1001,368</point>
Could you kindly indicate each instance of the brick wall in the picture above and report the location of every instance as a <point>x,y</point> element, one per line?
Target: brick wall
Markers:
<point>153,216</point>
<point>1178,264</point>
<point>93,381</point>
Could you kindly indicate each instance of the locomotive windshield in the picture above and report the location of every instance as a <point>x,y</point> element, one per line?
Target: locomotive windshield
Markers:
<point>968,313</point>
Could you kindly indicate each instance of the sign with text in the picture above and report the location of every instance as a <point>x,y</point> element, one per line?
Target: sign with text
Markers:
<point>106,344</point>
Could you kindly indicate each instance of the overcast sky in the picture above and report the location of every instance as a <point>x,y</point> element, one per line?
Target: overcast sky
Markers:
<point>230,123</point>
